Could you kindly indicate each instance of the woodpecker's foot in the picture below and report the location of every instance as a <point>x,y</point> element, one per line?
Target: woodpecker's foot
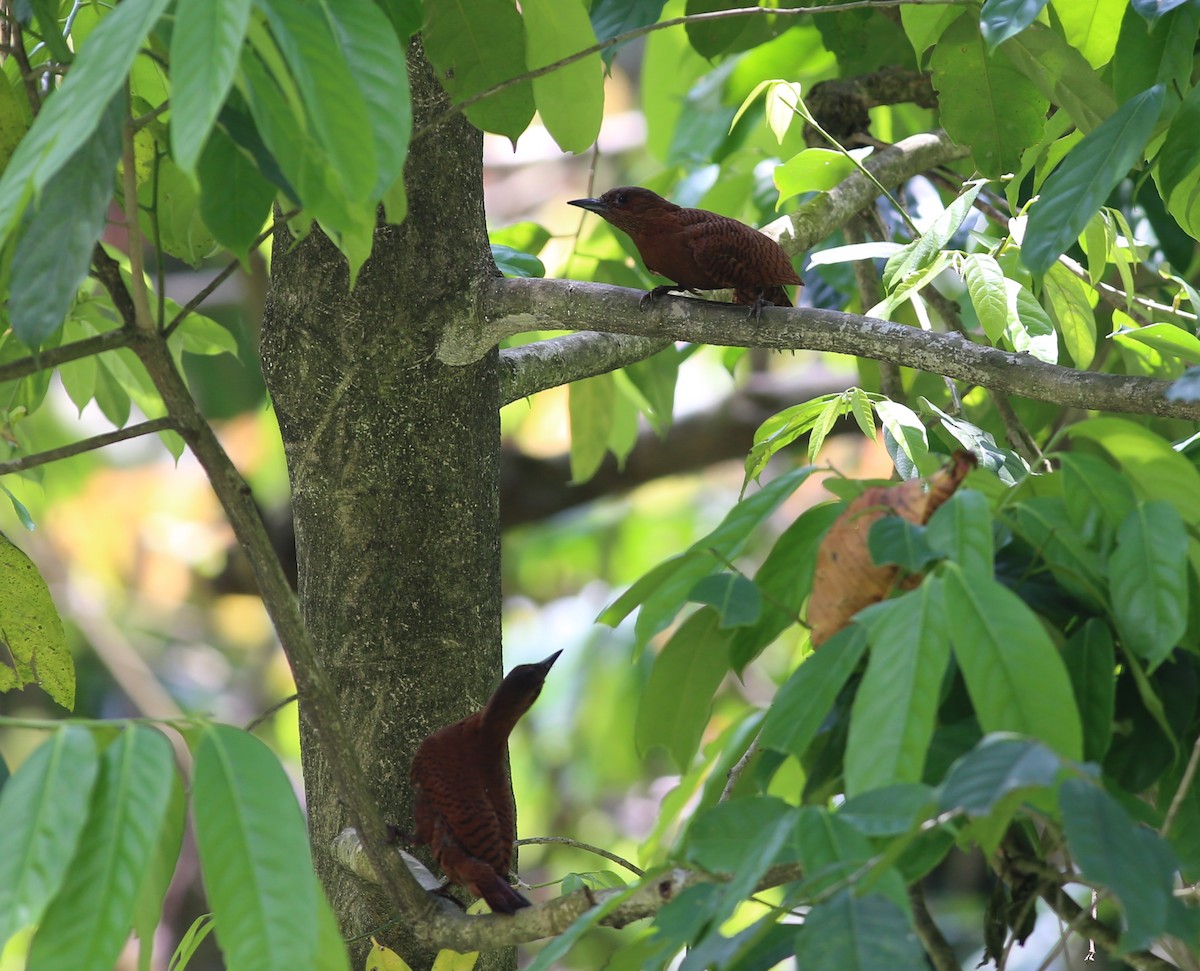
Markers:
<point>756,308</point>
<point>398,837</point>
<point>650,296</point>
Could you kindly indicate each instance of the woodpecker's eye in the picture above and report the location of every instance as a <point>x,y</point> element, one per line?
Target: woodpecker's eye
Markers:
<point>622,198</point>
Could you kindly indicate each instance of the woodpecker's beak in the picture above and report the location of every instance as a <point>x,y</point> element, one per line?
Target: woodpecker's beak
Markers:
<point>598,206</point>
<point>548,663</point>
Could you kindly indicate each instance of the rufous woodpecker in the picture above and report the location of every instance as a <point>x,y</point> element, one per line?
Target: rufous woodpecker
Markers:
<point>697,249</point>
<point>463,802</point>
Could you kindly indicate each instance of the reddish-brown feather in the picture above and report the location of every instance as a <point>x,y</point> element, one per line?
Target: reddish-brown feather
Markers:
<point>463,804</point>
<point>696,249</point>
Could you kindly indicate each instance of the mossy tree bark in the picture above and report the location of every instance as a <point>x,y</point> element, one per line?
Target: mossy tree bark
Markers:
<point>394,461</point>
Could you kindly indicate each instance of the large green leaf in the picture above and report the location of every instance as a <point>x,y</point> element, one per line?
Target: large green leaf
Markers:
<point>613,17</point>
<point>1091,28</point>
<point>719,837</point>
<point>89,921</point>
<point>235,200</point>
<point>1014,674</point>
<point>1111,849</point>
<point>1091,663</point>
<point>678,697</point>
<point>785,579</point>
<point>1070,304</point>
<point>475,47</point>
<point>206,44</point>
<point>31,630</point>
<point>1098,499</point>
<point>1084,179</point>
<point>922,252</point>
<point>160,870</point>
<point>591,404</point>
<point>376,58</point>
<point>892,720</point>
<point>254,854</point>
<point>69,118</point>
<point>54,247</point>
<point>852,933</point>
<point>801,705</point>
<point>985,101</point>
<point>1002,19</point>
<point>996,769</point>
<point>989,294</point>
<point>570,101</point>
<point>663,590</point>
<point>43,809</point>
<point>1148,578</point>
<point>733,596</point>
<point>961,527</point>
<point>1062,74</point>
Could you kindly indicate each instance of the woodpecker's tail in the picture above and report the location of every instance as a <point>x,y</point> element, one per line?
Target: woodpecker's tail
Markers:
<point>500,895</point>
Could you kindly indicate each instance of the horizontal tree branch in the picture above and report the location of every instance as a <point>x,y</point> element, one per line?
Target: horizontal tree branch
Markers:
<point>54,356</point>
<point>86,445</point>
<point>534,367</point>
<point>513,306</point>
<point>445,925</point>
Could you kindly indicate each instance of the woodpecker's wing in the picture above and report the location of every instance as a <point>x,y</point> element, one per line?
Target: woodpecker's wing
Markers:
<point>737,255</point>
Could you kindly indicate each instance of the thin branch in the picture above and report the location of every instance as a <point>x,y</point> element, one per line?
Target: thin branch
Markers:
<point>1078,917</point>
<point>44,360</point>
<point>1185,786</point>
<point>263,716</point>
<point>87,445</point>
<point>698,18</point>
<point>735,772</point>
<point>531,368</point>
<point>580,845</point>
<point>513,306</point>
<point>932,939</point>
<point>210,288</point>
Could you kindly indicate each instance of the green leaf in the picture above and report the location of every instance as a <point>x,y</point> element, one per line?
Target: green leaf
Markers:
<point>1076,567</point>
<point>591,405</point>
<point>1097,498</point>
<point>1091,28</point>
<point>1071,308</point>
<point>676,702</point>
<point>335,110</point>
<point>1085,178</point>
<point>206,44</point>
<point>511,262</point>
<point>905,439</point>
<point>170,208</point>
<point>781,429</point>
<point>998,767</point>
<point>201,927</point>
<point>985,101</point>
<point>147,914</point>
<point>1156,470</point>
<point>254,853</point>
<point>895,708</point>
<point>662,591</point>
<point>1172,341</point>
<point>1013,672</point>
<point>851,933</point>
<point>893,540</point>
<point>890,811</point>
<point>70,117</point>
<point>1148,578</point>
<point>1091,664</point>
<point>88,923</point>
<point>1112,850</point>
<point>961,528</point>
<point>372,52</point>
<point>989,294</point>
<point>801,705</point>
<point>613,17</point>
<point>235,200</point>
<point>655,379</point>
<point>570,101</point>
<point>1179,156</point>
<point>31,631</point>
<point>922,252</point>
<point>1031,331</point>
<point>43,810</point>
<point>813,170</point>
<point>1002,19</point>
<point>474,48</point>
<point>1062,75</point>
<point>735,598</point>
<point>785,579</point>
<point>718,838</point>
<point>53,248</point>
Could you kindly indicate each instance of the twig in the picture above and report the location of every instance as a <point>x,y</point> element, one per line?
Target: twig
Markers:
<point>1079,918</point>
<point>1185,785</point>
<point>735,773</point>
<point>210,288</point>
<point>629,35</point>
<point>580,845</point>
<point>263,716</point>
<point>1064,936</point>
<point>44,360</point>
<point>87,445</point>
<point>932,939</point>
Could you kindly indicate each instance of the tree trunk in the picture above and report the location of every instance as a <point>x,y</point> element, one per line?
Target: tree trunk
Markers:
<point>394,460</point>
